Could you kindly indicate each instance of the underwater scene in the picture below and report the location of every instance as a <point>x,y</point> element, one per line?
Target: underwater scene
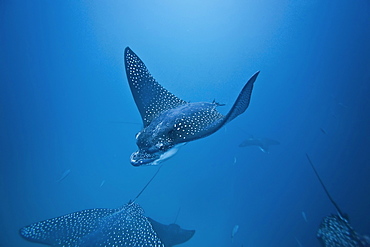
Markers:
<point>185,123</point>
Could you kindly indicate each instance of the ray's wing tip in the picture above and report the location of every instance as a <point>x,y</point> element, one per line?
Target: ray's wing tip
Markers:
<point>128,57</point>
<point>22,231</point>
<point>190,235</point>
<point>25,233</point>
<point>127,49</point>
<point>252,79</point>
<point>128,52</point>
<point>254,76</point>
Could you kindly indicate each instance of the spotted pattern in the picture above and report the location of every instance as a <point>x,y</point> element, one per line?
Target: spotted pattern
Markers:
<point>335,231</point>
<point>126,226</point>
<point>168,120</point>
<point>200,120</point>
<point>242,102</point>
<point>150,97</point>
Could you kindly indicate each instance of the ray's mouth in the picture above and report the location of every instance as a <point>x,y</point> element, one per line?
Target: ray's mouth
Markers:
<point>140,158</point>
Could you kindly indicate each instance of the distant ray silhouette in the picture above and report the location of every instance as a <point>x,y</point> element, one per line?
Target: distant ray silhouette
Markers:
<point>120,227</point>
<point>335,230</point>
<point>262,143</point>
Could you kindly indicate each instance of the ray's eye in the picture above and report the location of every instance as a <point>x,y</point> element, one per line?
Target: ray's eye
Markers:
<point>160,146</point>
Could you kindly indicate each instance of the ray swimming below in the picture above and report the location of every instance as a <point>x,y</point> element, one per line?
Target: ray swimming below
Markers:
<point>169,121</point>
<point>335,230</point>
<point>124,226</point>
<point>120,227</point>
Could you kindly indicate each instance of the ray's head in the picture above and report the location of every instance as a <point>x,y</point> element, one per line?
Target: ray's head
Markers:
<point>152,151</point>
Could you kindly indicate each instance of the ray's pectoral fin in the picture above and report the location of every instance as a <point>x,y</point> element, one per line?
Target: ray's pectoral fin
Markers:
<point>64,230</point>
<point>242,102</point>
<point>150,97</point>
<point>171,234</point>
<point>208,120</point>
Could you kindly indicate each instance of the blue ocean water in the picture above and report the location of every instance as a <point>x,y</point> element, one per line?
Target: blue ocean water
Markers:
<point>65,104</point>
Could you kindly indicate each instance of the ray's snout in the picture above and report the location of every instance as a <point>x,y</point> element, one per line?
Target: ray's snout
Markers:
<point>138,159</point>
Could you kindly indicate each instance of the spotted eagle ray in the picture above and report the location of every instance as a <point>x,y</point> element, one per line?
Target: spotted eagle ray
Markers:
<point>335,230</point>
<point>262,143</point>
<point>169,121</point>
<point>120,227</point>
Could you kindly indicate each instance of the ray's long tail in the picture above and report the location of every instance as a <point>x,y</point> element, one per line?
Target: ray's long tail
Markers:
<point>155,174</point>
<point>323,185</point>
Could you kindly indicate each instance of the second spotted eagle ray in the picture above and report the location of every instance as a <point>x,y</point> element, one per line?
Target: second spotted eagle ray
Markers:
<point>121,227</point>
<point>335,230</point>
<point>169,121</point>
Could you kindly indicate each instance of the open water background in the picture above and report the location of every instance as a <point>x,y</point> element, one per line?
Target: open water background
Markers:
<point>65,104</point>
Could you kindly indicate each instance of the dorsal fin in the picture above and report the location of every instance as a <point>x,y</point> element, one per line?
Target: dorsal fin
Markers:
<point>326,191</point>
